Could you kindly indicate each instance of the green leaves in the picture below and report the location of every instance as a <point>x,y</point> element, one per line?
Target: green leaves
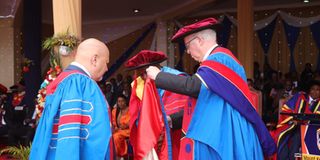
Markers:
<point>18,152</point>
<point>63,39</point>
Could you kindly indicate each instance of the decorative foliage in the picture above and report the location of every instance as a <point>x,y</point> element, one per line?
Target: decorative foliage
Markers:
<point>64,39</point>
<point>61,44</point>
<point>41,97</point>
<point>17,152</point>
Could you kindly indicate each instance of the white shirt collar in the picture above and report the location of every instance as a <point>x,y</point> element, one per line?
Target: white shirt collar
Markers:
<point>208,52</point>
<point>82,67</point>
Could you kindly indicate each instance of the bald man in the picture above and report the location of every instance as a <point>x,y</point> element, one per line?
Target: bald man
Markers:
<point>75,123</point>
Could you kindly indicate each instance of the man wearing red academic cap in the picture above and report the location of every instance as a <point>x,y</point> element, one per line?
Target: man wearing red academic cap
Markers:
<point>142,100</point>
<point>224,123</point>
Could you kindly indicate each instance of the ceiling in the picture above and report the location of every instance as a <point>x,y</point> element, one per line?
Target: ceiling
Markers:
<point>102,10</point>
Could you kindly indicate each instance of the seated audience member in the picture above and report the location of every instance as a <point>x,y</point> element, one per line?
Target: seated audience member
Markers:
<point>119,80</point>
<point>129,79</point>
<point>114,86</point>
<point>19,131</point>
<point>289,89</point>
<point>102,86</point>
<point>287,133</point>
<point>120,124</point>
<point>110,95</point>
<point>306,76</point>
<point>126,90</point>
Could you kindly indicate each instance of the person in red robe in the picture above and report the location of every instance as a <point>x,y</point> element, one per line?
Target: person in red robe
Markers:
<point>150,133</point>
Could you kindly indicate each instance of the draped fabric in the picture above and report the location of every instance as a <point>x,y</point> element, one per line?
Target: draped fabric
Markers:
<point>265,36</point>
<point>32,49</point>
<point>315,29</point>
<point>292,34</point>
<point>286,17</point>
<point>134,108</point>
<point>148,122</point>
<point>120,61</point>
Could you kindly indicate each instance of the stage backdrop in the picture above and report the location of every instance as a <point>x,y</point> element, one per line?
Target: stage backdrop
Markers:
<point>296,24</point>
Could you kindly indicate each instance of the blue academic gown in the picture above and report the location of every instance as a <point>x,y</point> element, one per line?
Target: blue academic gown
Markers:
<point>75,123</point>
<point>224,126</point>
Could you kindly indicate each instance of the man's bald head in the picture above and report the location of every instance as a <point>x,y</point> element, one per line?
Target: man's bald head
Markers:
<point>91,46</point>
<point>94,56</point>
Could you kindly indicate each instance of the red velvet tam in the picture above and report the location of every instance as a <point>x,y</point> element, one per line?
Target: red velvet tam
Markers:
<point>145,58</point>
<point>211,23</point>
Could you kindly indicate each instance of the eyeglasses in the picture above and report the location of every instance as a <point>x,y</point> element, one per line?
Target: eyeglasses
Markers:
<point>187,44</point>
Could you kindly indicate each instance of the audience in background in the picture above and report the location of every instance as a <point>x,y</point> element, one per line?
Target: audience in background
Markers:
<point>119,80</point>
<point>287,133</point>
<point>109,94</point>
<point>18,116</point>
<point>306,76</point>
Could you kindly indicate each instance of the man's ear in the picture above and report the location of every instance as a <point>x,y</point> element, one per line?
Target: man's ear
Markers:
<point>73,53</point>
<point>94,60</point>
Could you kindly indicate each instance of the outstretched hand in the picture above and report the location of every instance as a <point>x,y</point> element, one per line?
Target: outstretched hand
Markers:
<point>152,72</point>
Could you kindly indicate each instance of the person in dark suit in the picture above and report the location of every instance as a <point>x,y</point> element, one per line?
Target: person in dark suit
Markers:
<point>224,123</point>
<point>18,116</point>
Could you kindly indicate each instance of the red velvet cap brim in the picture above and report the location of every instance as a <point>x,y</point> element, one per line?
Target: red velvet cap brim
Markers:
<point>209,23</point>
<point>145,58</point>
<point>145,65</point>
